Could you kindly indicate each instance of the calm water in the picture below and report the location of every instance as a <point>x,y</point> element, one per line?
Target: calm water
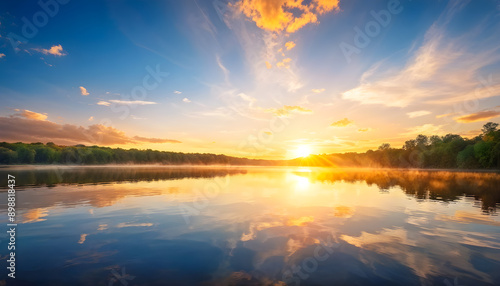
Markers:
<point>253,226</point>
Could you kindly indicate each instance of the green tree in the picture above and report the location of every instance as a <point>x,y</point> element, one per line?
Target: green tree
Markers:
<point>25,155</point>
<point>7,156</point>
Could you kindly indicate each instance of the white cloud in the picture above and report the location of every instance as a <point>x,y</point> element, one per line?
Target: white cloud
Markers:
<point>442,70</point>
<point>177,92</point>
<point>104,103</point>
<point>186,100</point>
<point>419,113</point>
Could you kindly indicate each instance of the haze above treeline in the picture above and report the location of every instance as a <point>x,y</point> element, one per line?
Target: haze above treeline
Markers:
<point>449,151</point>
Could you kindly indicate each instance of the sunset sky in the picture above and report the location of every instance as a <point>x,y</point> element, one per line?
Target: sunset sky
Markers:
<point>253,78</point>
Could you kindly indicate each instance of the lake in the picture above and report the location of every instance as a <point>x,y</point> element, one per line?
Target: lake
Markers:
<point>151,225</point>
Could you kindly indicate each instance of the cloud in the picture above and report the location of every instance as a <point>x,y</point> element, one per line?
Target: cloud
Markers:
<point>284,15</point>
<point>83,237</point>
<point>287,110</point>
<point>285,63</point>
<point>289,45</point>
<point>155,140</point>
<point>268,65</point>
<point>315,90</point>
<point>445,115</point>
<point>419,113</point>
<point>364,129</point>
<point>186,100</point>
<point>478,116</point>
<point>83,90</point>
<point>342,123</point>
<point>131,102</point>
<point>2,55</point>
<point>123,224</point>
<point>28,129</point>
<point>105,103</point>
<point>91,118</point>
<point>442,70</point>
<point>31,115</point>
<point>177,92</point>
<point>426,129</point>
<point>54,50</point>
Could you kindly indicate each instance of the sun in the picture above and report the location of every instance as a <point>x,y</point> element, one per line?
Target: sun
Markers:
<point>302,151</point>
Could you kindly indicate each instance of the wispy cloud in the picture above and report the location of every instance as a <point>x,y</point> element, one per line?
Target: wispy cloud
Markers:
<point>445,115</point>
<point>154,140</point>
<point>342,123</point>
<point>123,224</point>
<point>91,118</point>
<point>419,113</point>
<point>442,70</point>
<point>104,103</point>
<point>317,90</point>
<point>285,63</point>
<point>31,114</point>
<point>186,100</point>
<point>2,55</point>
<point>131,102</point>
<point>84,91</point>
<point>289,45</point>
<point>33,127</point>
<point>426,129</point>
<point>287,110</point>
<point>478,116</point>
<point>177,92</point>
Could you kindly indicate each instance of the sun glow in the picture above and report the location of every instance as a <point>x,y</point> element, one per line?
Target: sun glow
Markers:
<point>302,151</point>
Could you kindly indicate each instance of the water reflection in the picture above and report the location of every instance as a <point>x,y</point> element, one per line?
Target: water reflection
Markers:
<point>263,226</point>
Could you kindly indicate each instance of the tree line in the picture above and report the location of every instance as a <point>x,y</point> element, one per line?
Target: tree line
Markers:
<point>449,151</point>
<point>50,153</point>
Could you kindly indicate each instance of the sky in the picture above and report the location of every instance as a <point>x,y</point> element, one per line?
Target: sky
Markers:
<point>268,79</point>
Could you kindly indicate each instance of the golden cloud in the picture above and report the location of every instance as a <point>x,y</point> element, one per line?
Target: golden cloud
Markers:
<point>342,123</point>
<point>287,110</point>
<point>31,115</point>
<point>54,50</point>
<point>285,63</point>
<point>419,113</point>
<point>317,90</point>
<point>83,90</point>
<point>478,116</point>
<point>289,45</point>
<point>284,15</point>
<point>268,65</point>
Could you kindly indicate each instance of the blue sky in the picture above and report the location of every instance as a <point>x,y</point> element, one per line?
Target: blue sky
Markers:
<point>433,68</point>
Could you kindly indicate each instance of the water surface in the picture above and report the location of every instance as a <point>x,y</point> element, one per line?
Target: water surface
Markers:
<point>253,226</point>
